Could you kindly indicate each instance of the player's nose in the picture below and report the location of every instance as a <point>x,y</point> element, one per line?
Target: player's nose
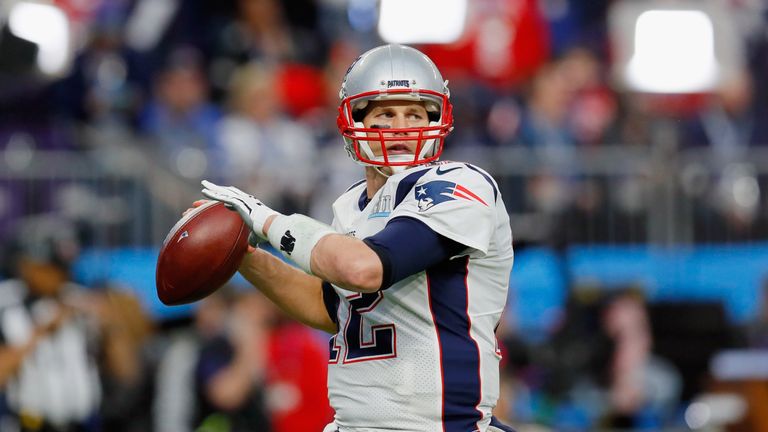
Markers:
<point>399,122</point>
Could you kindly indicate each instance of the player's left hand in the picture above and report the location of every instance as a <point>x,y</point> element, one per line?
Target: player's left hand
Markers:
<point>253,211</point>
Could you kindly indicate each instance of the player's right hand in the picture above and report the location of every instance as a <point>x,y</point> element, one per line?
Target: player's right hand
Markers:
<point>253,239</point>
<point>254,212</point>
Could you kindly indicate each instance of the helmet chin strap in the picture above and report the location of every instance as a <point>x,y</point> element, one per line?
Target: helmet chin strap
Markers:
<point>393,169</point>
<point>381,171</point>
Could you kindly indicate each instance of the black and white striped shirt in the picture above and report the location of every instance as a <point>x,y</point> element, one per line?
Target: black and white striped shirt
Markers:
<point>58,381</point>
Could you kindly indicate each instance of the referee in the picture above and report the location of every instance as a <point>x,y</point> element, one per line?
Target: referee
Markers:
<point>47,355</point>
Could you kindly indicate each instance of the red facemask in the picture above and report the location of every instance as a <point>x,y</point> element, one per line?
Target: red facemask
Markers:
<point>429,140</point>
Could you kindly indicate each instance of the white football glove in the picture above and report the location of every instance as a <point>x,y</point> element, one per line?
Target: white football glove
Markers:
<point>253,211</point>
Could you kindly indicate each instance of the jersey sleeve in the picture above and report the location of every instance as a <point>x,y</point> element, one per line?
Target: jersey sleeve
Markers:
<point>407,246</point>
<point>456,202</point>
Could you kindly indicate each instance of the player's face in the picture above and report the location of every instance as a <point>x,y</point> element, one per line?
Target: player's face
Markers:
<point>396,115</point>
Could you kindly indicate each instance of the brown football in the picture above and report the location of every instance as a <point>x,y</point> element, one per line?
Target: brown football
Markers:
<point>200,254</point>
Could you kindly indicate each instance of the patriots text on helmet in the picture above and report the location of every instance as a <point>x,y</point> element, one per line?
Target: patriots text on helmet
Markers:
<point>398,83</point>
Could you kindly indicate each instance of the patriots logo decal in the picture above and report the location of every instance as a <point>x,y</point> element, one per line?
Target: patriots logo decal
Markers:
<point>435,192</point>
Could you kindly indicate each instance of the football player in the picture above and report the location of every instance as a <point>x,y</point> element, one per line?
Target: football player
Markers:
<point>412,277</point>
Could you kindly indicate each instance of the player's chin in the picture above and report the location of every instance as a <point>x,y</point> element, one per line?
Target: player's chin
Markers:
<point>400,155</point>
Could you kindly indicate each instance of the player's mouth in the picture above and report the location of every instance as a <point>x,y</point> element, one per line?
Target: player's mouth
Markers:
<point>398,148</point>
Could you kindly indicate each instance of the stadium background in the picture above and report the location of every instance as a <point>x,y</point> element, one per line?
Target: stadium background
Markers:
<point>613,194</point>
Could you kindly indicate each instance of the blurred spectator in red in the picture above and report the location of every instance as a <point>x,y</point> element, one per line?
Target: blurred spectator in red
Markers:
<point>592,112</point>
<point>262,33</point>
<point>302,89</point>
<point>268,374</point>
<point>592,116</point>
<point>297,393</point>
<point>503,44</point>
<point>261,141</point>
<point>180,121</point>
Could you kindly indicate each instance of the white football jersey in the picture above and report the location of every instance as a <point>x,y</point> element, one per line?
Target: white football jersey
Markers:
<point>422,355</point>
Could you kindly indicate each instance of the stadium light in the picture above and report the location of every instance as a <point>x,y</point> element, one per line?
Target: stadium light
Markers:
<point>673,47</point>
<point>674,52</point>
<point>47,26</point>
<point>422,21</point>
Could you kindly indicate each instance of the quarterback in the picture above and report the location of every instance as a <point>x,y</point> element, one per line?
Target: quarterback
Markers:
<point>412,276</point>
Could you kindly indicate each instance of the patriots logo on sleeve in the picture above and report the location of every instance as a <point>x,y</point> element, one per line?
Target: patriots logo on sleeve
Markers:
<point>435,192</point>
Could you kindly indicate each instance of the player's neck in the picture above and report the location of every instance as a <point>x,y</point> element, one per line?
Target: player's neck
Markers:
<point>374,180</point>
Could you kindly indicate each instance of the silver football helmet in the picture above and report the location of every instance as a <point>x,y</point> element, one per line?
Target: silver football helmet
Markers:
<point>394,72</point>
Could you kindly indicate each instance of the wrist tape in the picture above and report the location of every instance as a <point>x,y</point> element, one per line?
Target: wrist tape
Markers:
<point>295,236</point>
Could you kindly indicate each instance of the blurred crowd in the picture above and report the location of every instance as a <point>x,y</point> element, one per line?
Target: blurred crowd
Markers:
<point>245,92</point>
<point>77,359</point>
